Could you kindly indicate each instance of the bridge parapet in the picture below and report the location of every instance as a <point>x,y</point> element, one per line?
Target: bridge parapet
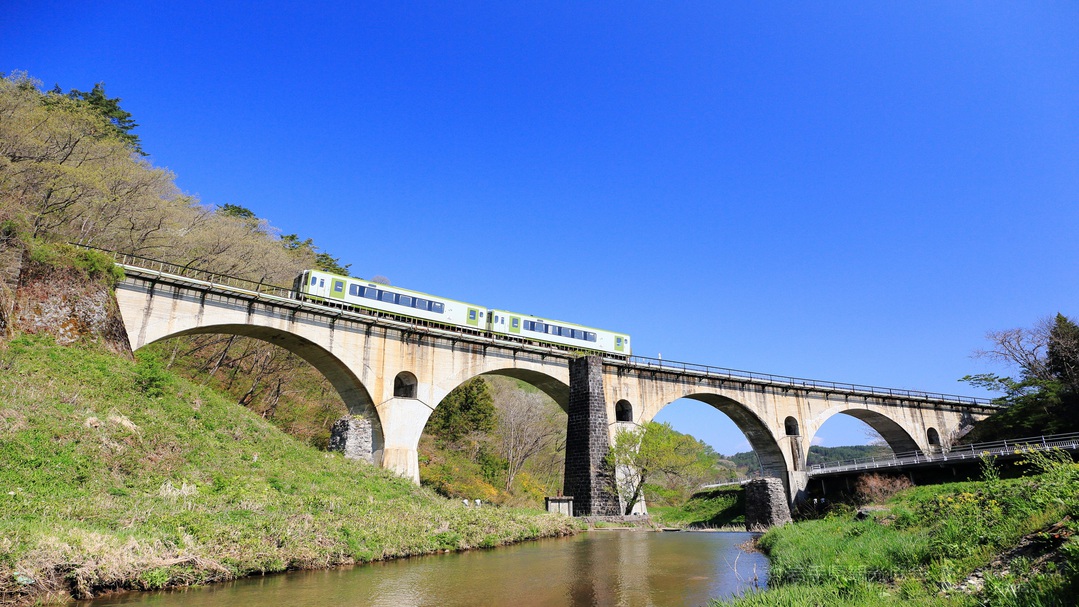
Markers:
<point>362,354</point>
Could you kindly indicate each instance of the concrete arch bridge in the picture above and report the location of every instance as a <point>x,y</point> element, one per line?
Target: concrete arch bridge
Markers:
<point>392,373</point>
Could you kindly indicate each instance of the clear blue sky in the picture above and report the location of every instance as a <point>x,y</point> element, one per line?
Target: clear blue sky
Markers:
<point>845,191</point>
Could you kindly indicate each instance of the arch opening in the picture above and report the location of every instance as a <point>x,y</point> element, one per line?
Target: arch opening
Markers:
<point>404,385</point>
<point>866,433</point>
<point>738,434</point>
<point>790,425</point>
<point>623,411</point>
<point>344,382</point>
<point>933,438</point>
<point>498,433</point>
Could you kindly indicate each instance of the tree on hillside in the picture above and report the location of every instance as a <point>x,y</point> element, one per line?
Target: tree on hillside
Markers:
<point>523,430</point>
<point>119,120</point>
<point>323,261</point>
<point>235,210</point>
<point>654,451</point>
<point>1045,396</point>
<point>466,410</point>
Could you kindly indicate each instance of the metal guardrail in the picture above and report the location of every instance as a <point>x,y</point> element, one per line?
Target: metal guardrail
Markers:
<point>1010,447</point>
<point>138,262</point>
<point>802,383</point>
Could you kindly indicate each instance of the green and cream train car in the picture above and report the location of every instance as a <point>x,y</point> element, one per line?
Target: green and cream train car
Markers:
<point>324,286</point>
<point>316,284</point>
<point>512,324</point>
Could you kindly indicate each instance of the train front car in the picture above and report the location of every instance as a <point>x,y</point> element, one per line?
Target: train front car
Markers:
<point>534,328</point>
<point>406,303</point>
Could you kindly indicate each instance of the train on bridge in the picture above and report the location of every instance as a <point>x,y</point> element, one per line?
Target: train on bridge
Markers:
<point>316,285</point>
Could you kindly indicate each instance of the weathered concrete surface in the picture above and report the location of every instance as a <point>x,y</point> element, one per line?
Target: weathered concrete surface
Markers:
<point>360,359</point>
<point>761,412</point>
<point>361,356</point>
<point>767,504</point>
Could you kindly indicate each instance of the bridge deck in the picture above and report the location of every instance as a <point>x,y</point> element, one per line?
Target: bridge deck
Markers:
<point>165,272</point>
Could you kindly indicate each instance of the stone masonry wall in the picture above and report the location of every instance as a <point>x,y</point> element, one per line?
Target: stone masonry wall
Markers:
<point>766,504</point>
<point>353,437</point>
<point>588,478</point>
<point>65,303</point>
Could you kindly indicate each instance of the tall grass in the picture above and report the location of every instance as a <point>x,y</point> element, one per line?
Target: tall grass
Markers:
<point>943,545</point>
<point>119,474</point>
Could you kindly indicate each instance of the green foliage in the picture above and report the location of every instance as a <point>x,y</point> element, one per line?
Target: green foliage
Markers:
<point>237,211</point>
<point>150,376</point>
<point>654,452</point>
<point>323,261</point>
<point>465,410</point>
<point>1045,398</point>
<point>107,484</point>
<point>95,265</point>
<point>119,120</point>
<point>715,508</point>
<point>925,543</point>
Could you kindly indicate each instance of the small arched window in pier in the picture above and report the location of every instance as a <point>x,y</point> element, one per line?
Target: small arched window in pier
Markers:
<point>404,385</point>
<point>623,411</point>
<point>791,426</point>
<point>933,437</point>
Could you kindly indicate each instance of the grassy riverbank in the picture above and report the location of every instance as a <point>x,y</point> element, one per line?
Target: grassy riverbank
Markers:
<point>712,509</point>
<point>117,474</point>
<point>994,542</point>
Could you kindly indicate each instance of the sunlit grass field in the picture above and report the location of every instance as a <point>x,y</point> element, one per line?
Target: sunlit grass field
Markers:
<point>119,474</point>
<point>992,542</point>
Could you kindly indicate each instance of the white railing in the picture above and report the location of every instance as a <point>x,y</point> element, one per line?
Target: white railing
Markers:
<point>1003,448</point>
<point>262,290</point>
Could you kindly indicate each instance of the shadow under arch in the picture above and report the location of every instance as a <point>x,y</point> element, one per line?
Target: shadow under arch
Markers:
<point>898,439</point>
<point>348,386</point>
<point>760,438</point>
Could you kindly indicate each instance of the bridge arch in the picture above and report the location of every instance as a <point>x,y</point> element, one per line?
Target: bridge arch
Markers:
<point>893,433</point>
<point>350,388</point>
<point>556,388</point>
<point>760,436</point>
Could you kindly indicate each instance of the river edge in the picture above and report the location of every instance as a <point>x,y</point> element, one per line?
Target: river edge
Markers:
<point>340,581</point>
<point>749,546</point>
<point>131,584</point>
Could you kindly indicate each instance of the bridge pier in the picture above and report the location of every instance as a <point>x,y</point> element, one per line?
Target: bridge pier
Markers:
<point>403,420</point>
<point>588,478</point>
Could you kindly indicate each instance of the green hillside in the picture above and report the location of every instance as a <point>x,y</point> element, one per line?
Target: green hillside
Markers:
<point>119,474</point>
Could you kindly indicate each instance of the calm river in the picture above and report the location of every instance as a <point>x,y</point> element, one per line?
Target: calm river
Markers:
<point>596,568</point>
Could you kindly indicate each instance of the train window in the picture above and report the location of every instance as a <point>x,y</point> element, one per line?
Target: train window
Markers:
<point>515,323</point>
<point>437,307</point>
<point>591,336</point>
<point>370,293</point>
<point>405,300</point>
<point>472,315</point>
<point>321,283</point>
<point>338,286</point>
<point>355,290</point>
<point>314,279</point>
<point>386,296</point>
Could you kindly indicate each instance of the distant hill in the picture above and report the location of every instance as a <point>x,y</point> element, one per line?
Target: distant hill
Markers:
<point>747,462</point>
